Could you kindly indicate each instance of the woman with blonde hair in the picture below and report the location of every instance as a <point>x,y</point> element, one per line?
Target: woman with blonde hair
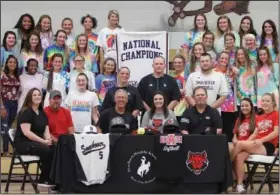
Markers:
<point>224,26</point>
<point>107,37</point>
<point>82,48</point>
<point>44,28</point>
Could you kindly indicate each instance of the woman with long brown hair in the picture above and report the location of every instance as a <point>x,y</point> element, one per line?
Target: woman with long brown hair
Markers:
<point>269,38</point>
<point>267,75</point>
<point>32,136</point>
<point>44,28</point>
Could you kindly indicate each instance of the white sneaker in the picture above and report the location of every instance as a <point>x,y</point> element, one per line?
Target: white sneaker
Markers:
<point>45,185</point>
<point>240,189</point>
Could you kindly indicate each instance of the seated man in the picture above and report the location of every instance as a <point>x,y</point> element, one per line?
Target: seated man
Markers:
<point>121,98</point>
<point>59,118</point>
<point>201,119</point>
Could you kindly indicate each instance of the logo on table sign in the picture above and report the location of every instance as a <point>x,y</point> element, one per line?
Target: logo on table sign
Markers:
<point>171,141</point>
<point>139,166</point>
<point>197,162</point>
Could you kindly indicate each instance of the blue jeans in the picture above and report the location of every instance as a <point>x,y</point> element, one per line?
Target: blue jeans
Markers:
<point>11,108</point>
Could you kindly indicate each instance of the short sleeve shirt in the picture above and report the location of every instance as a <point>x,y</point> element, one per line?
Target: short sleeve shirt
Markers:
<point>38,123</point>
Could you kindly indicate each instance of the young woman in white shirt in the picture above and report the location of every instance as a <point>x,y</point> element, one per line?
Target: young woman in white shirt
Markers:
<point>67,26</point>
<point>107,37</point>
<point>82,104</point>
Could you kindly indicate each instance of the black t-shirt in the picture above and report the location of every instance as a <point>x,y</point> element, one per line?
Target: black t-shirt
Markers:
<point>107,115</point>
<point>134,99</point>
<point>170,155</point>
<point>149,85</point>
<point>199,123</point>
<point>38,123</point>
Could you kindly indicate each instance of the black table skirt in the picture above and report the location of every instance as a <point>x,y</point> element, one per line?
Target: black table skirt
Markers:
<point>66,169</point>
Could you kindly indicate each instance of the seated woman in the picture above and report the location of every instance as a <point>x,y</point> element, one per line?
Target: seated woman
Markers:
<point>263,141</point>
<point>159,113</point>
<point>32,136</point>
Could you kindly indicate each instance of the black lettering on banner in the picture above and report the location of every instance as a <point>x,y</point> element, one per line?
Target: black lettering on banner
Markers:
<point>143,49</point>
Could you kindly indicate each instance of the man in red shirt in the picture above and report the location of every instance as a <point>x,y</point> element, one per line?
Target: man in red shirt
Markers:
<point>59,118</point>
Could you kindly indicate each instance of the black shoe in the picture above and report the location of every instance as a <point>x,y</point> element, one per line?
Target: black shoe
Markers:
<point>46,184</point>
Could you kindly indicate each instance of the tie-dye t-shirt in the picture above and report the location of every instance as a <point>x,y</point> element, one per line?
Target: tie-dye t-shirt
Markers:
<point>187,70</point>
<point>92,41</point>
<point>5,54</point>
<point>90,62</point>
<point>60,82</point>
<point>25,56</point>
<point>269,44</point>
<point>70,42</point>
<point>49,53</point>
<point>192,37</point>
<point>181,106</point>
<point>229,104</point>
<point>106,40</point>
<point>232,57</point>
<point>103,83</point>
<point>246,85</point>
<point>268,82</point>
<point>46,39</point>
<point>253,55</point>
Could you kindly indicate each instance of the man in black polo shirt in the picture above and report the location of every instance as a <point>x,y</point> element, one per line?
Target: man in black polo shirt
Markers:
<point>121,98</point>
<point>201,119</point>
<point>159,81</point>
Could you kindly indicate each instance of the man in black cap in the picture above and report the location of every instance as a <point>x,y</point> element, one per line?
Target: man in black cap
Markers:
<point>59,118</point>
<point>107,117</point>
<point>202,118</point>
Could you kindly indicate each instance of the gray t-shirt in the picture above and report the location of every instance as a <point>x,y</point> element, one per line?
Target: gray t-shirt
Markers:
<point>157,120</point>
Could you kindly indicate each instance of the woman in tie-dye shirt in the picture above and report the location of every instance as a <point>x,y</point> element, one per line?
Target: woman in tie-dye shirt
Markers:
<point>89,22</point>
<point>44,27</point>
<point>247,27</point>
<point>106,80</point>
<point>32,49</point>
<point>56,79</point>
<point>178,74</point>
<point>251,46</point>
<point>59,47</point>
<point>246,77</point>
<point>230,47</point>
<point>267,75</point>
<point>82,48</point>
<point>195,34</point>
<point>67,26</point>
<point>228,108</point>
<point>269,38</point>
<point>193,64</point>
<point>224,25</point>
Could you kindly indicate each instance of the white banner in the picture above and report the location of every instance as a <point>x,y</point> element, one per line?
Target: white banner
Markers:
<point>136,50</point>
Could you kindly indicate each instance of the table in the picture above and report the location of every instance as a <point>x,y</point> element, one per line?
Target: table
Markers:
<point>217,176</point>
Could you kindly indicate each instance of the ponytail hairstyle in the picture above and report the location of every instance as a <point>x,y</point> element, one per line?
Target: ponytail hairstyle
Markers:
<point>111,12</point>
<point>50,76</point>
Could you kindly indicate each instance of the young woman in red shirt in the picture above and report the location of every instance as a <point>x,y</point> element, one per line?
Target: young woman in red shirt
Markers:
<point>263,141</point>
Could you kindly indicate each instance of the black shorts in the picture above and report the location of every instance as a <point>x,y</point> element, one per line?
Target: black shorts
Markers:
<point>269,148</point>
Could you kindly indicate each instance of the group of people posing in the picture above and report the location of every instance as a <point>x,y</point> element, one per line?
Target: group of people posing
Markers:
<point>224,82</point>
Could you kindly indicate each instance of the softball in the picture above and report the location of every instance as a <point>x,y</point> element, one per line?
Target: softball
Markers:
<point>141,131</point>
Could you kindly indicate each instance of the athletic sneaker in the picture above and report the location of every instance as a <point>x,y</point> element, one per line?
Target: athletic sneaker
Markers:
<point>46,184</point>
<point>240,189</point>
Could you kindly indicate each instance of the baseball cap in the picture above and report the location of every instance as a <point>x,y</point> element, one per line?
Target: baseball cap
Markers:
<point>117,125</point>
<point>89,129</point>
<point>54,93</point>
<point>171,126</point>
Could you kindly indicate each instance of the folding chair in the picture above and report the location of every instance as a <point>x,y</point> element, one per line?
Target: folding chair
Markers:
<point>24,161</point>
<point>268,162</point>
